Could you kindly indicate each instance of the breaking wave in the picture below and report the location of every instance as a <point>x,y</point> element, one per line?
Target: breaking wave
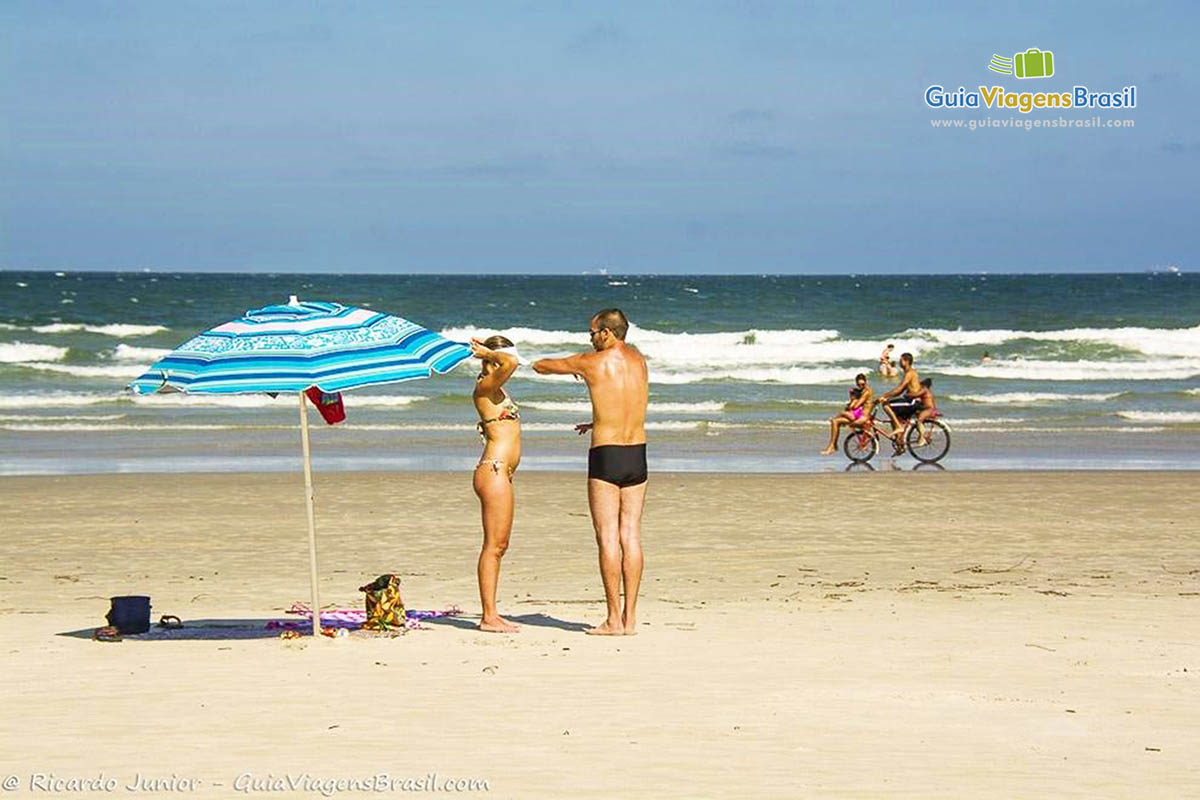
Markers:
<point>1032,398</point>
<point>21,352</point>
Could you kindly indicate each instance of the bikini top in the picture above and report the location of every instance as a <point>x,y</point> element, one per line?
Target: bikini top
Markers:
<point>508,410</point>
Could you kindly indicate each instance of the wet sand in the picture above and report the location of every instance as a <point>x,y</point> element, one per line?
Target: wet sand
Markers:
<point>861,635</point>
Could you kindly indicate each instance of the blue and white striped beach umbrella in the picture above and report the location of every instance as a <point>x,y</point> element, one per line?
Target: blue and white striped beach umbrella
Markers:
<point>290,348</point>
<point>294,347</point>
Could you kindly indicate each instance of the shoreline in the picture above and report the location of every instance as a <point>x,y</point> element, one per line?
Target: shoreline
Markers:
<point>719,451</point>
<point>581,472</point>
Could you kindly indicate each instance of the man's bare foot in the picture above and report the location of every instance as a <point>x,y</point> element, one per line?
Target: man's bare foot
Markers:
<point>828,451</point>
<point>498,625</point>
<point>607,629</point>
<point>630,627</point>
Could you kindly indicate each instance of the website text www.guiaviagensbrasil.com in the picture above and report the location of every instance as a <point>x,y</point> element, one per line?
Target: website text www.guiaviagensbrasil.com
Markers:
<point>1025,124</point>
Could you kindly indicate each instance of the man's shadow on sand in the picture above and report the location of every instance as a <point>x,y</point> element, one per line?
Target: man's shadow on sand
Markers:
<point>531,620</point>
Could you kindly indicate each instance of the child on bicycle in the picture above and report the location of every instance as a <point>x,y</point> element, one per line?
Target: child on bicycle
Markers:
<point>928,408</point>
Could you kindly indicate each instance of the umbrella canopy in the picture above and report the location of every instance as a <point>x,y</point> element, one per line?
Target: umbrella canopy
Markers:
<point>294,347</point>
<point>289,348</point>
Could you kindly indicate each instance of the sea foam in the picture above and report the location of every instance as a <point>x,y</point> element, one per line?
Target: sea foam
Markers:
<point>121,330</point>
<point>140,355</point>
<point>775,355</point>
<point>115,372</point>
<point>1032,398</point>
<point>56,400</point>
<point>44,418</point>
<point>1029,369</point>
<point>1148,341</point>
<point>260,400</point>
<point>1162,417</point>
<point>18,352</point>
<point>584,407</point>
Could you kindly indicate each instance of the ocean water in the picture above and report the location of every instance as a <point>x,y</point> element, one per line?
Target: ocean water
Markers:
<point>1085,371</point>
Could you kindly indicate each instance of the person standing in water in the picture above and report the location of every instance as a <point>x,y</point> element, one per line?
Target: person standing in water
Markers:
<point>618,382</point>
<point>887,367</point>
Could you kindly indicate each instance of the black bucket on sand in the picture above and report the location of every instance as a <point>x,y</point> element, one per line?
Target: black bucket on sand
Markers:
<point>130,614</point>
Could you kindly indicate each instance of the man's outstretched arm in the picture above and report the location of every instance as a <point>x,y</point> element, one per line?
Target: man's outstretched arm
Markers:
<point>898,390</point>
<point>571,365</point>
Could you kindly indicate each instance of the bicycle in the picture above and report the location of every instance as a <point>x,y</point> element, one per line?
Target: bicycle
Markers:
<point>862,443</point>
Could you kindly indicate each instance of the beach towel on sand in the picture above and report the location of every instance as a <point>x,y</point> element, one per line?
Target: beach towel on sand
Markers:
<point>353,618</point>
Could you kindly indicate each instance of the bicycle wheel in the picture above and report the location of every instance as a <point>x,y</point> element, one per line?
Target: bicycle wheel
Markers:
<point>860,446</point>
<point>937,446</point>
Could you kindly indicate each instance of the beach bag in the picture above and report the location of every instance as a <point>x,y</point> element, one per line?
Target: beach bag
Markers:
<point>129,614</point>
<point>385,608</point>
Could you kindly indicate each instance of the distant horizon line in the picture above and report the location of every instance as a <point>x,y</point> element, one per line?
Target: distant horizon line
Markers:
<point>1167,270</point>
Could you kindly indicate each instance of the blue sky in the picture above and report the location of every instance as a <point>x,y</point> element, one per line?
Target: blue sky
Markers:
<point>561,137</point>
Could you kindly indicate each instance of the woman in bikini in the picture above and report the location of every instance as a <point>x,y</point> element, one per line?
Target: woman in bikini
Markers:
<point>856,413</point>
<point>928,408</point>
<point>500,429</point>
<point>887,367</point>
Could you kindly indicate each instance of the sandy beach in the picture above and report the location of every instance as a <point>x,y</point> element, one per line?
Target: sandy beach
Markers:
<point>863,635</point>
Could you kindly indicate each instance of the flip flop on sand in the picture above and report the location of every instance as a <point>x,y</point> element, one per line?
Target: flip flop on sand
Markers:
<point>107,634</point>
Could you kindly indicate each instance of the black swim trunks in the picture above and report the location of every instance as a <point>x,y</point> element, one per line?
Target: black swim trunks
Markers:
<point>619,464</point>
<point>904,406</point>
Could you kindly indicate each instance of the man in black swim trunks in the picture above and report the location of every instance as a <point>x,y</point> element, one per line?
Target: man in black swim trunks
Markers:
<point>901,402</point>
<point>617,381</point>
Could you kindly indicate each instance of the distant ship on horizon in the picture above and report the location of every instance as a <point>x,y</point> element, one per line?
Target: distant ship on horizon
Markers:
<point>1169,269</point>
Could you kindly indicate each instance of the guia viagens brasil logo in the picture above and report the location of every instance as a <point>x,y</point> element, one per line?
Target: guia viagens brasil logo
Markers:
<point>1029,64</point>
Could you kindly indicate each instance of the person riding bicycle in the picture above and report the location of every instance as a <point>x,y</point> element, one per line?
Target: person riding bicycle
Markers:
<point>855,414</point>
<point>928,408</point>
<point>904,400</point>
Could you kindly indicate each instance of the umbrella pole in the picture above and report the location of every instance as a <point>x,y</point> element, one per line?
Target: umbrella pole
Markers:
<point>312,523</point>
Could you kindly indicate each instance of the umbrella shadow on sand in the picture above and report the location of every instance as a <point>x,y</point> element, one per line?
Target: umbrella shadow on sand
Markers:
<point>214,629</point>
<point>531,620</point>
<point>226,629</point>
